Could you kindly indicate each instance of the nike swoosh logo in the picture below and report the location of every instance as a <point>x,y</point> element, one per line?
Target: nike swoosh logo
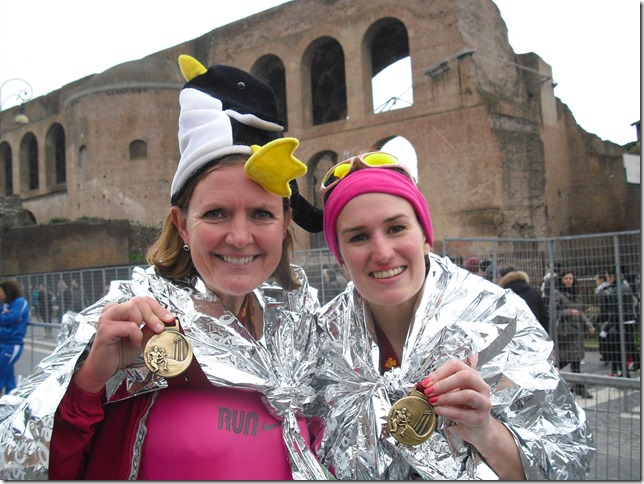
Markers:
<point>270,427</point>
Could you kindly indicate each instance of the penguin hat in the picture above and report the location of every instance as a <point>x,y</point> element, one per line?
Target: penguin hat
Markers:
<point>226,111</point>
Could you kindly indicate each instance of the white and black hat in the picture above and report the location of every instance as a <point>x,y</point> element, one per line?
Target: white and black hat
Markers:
<point>225,111</point>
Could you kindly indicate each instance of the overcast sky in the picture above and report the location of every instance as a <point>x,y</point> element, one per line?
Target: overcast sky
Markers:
<point>593,46</point>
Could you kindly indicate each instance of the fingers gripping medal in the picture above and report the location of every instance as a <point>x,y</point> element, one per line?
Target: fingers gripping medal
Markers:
<point>411,419</point>
<point>168,354</point>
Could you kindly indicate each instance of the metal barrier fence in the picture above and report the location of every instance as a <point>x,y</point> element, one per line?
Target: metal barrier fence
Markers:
<point>44,293</point>
<point>585,257</point>
<point>613,411</point>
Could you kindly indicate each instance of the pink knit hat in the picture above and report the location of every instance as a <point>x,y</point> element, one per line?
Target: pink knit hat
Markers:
<point>374,180</point>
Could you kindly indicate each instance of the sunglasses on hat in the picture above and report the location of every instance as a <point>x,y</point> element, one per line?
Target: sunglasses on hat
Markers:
<point>376,159</point>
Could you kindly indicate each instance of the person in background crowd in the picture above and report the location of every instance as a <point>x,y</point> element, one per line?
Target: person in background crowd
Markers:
<point>519,282</point>
<point>487,268</point>
<point>570,327</point>
<point>632,325</point>
<point>35,304</point>
<point>548,277</point>
<point>600,326</point>
<point>199,367</point>
<point>634,285</point>
<point>333,286</point>
<point>14,318</point>
<point>47,299</point>
<point>600,282</point>
<point>474,266</point>
<point>473,356</point>
<point>63,296</point>
<point>78,300</point>
<point>609,307</point>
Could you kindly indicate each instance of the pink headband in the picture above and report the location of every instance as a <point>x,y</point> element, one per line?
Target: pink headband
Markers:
<point>373,180</point>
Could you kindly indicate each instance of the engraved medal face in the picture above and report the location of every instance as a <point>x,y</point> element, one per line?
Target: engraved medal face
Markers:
<point>168,354</point>
<point>411,419</point>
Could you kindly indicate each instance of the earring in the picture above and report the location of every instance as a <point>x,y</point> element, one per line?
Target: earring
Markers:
<point>186,248</point>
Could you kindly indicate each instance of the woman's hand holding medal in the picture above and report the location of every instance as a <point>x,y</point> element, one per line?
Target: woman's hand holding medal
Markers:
<point>123,331</point>
<point>457,391</point>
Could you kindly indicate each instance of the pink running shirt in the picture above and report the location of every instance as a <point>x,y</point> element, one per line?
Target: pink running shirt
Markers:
<point>213,433</point>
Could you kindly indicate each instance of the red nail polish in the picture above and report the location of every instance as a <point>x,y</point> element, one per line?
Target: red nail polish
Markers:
<point>433,400</point>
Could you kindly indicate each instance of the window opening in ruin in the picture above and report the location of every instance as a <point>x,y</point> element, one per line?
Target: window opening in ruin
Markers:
<point>55,155</point>
<point>83,156</point>
<point>138,150</point>
<point>61,168</point>
<point>320,164</point>
<point>7,171</point>
<point>392,87</point>
<point>270,69</point>
<point>328,83</point>
<point>391,84</point>
<point>29,162</point>
<point>33,166</point>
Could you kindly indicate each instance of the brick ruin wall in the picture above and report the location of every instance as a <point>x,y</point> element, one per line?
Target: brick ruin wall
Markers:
<point>498,153</point>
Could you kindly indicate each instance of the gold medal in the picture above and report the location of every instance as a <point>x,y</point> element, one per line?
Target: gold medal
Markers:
<point>411,419</point>
<point>169,353</point>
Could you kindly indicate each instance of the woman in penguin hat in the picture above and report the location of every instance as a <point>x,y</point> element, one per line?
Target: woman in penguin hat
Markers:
<point>199,367</point>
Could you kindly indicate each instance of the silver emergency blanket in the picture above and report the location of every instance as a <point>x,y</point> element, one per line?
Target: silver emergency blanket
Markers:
<point>279,365</point>
<point>458,315</point>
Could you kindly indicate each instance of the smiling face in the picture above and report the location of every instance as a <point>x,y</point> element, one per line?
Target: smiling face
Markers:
<point>383,248</point>
<point>234,229</point>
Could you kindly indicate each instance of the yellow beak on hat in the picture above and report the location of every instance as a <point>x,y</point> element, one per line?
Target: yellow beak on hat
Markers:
<point>273,165</point>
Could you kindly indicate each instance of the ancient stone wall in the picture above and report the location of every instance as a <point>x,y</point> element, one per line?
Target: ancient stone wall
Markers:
<point>75,245</point>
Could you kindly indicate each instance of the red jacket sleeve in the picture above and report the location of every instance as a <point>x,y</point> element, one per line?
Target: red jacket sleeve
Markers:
<point>78,416</point>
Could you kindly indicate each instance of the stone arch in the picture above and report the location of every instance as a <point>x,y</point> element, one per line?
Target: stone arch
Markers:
<point>324,58</point>
<point>386,43</point>
<point>6,170</point>
<point>270,69</point>
<point>29,171</point>
<point>319,164</point>
<point>55,156</point>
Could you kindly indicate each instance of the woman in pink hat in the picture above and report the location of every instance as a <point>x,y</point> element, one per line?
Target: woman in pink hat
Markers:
<point>429,371</point>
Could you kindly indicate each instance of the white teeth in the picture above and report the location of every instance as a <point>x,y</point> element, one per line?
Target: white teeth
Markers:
<point>389,273</point>
<point>236,260</point>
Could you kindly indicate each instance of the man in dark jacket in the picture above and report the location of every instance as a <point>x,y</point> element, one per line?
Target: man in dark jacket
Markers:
<point>609,312</point>
<point>519,282</point>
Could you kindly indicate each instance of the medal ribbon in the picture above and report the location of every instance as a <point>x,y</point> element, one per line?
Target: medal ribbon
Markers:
<point>246,315</point>
<point>388,358</point>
